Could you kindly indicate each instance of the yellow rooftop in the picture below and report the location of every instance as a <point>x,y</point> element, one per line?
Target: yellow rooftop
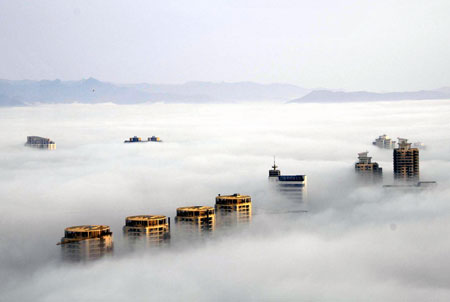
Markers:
<point>145,217</point>
<point>87,228</point>
<point>195,208</point>
<point>234,196</point>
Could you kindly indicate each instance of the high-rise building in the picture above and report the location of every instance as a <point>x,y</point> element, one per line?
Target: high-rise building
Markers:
<point>366,166</point>
<point>406,160</point>
<point>152,229</point>
<point>233,209</point>
<point>384,141</point>
<point>40,143</point>
<point>86,242</point>
<point>196,219</point>
<point>292,186</point>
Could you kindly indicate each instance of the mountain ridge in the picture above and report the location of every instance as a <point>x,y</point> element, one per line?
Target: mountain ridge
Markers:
<point>330,96</point>
<point>93,91</point>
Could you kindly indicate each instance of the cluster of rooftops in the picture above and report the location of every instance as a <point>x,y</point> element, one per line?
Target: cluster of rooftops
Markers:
<point>77,233</point>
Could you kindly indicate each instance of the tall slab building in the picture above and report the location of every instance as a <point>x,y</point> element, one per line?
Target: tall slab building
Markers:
<point>292,186</point>
<point>406,160</point>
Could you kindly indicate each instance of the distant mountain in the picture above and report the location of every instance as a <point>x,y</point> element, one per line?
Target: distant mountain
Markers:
<point>92,91</point>
<point>328,96</point>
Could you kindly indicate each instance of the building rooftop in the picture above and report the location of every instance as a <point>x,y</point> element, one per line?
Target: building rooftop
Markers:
<point>234,196</point>
<point>86,228</point>
<point>195,208</point>
<point>145,217</point>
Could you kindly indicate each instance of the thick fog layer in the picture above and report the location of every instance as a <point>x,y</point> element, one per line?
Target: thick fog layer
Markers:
<point>357,242</point>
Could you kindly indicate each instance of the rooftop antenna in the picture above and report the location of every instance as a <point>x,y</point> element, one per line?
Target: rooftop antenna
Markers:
<point>274,165</point>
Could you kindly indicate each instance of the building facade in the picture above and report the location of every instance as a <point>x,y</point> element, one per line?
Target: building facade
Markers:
<point>40,143</point>
<point>406,161</point>
<point>196,219</point>
<point>151,229</point>
<point>86,242</point>
<point>233,209</point>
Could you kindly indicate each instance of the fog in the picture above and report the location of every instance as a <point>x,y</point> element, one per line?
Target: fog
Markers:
<point>356,242</point>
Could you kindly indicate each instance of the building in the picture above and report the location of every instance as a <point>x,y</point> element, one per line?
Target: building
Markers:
<point>154,139</point>
<point>384,141</point>
<point>40,143</point>
<point>366,166</point>
<point>233,209</point>
<point>153,229</point>
<point>406,160</point>
<point>134,139</point>
<point>419,145</point>
<point>86,242</point>
<point>196,219</point>
<point>292,186</point>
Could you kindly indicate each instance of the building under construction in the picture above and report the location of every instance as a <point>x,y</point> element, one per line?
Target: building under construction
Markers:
<point>151,229</point>
<point>406,160</point>
<point>233,209</point>
<point>40,143</point>
<point>196,219</point>
<point>384,141</point>
<point>86,242</point>
<point>366,166</point>
<point>292,186</point>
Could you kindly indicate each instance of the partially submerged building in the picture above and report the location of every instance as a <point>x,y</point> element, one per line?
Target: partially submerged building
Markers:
<point>150,229</point>
<point>384,141</point>
<point>86,242</point>
<point>366,166</point>
<point>233,209</point>
<point>406,160</point>
<point>293,186</point>
<point>196,219</point>
<point>137,139</point>
<point>40,143</point>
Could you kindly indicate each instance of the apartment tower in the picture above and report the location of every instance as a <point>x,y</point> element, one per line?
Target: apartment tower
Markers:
<point>196,219</point>
<point>86,242</point>
<point>366,166</point>
<point>406,160</point>
<point>233,209</point>
<point>153,229</point>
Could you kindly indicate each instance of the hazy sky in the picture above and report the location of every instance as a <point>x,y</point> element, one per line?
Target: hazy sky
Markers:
<point>372,45</point>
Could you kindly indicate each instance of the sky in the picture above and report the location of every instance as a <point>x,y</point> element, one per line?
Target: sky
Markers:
<point>352,45</point>
<point>357,242</point>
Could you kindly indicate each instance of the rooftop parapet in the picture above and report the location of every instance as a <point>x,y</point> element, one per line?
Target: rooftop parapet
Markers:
<point>145,220</point>
<point>195,211</point>
<point>84,232</point>
<point>233,199</point>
